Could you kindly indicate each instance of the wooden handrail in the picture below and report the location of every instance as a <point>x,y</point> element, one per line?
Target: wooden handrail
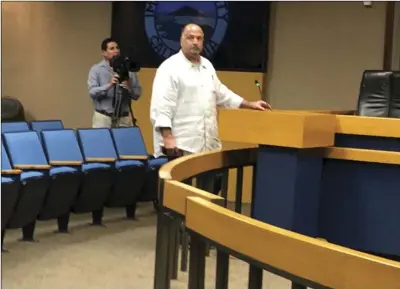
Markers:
<point>191,165</point>
<point>369,126</point>
<point>176,193</point>
<point>349,123</point>
<point>311,259</point>
<point>362,155</point>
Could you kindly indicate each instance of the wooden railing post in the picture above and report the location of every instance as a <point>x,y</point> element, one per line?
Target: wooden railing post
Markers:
<point>255,277</point>
<point>239,190</point>
<point>161,271</point>
<point>222,271</point>
<point>197,263</point>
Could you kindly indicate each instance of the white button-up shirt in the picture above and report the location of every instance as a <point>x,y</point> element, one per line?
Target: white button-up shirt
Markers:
<point>185,97</point>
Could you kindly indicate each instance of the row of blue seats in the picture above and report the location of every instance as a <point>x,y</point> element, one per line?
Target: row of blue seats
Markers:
<point>49,171</point>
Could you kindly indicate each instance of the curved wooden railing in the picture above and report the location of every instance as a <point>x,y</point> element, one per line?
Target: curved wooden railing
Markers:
<point>303,260</point>
<point>309,261</point>
<point>172,173</point>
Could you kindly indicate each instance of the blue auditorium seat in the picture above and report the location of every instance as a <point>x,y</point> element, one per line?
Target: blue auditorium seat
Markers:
<point>16,126</point>
<point>26,154</point>
<point>99,156</point>
<point>130,144</point>
<point>128,174</point>
<point>39,125</point>
<point>64,155</point>
<point>10,185</point>
<point>57,191</point>
<point>62,147</point>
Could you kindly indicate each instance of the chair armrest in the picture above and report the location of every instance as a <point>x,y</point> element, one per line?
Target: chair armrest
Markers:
<point>133,157</point>
<point>101,160</point>
<point>32,167</point>
<point>65,163</point>
<point>11,172</point>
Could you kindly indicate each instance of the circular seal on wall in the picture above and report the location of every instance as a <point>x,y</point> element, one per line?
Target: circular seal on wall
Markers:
<point>164,22</point>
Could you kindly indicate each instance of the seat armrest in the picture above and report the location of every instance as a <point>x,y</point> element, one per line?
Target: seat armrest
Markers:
<point>32,167</point>
<point>101,160</point>
<point>11,172</point>
<point>133,157</point>
<point>65,163</point>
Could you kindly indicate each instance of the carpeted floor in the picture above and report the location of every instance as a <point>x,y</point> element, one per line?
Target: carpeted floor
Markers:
<point>119,256</point>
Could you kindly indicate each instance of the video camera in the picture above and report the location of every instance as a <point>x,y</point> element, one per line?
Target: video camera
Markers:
<point>122,65</point>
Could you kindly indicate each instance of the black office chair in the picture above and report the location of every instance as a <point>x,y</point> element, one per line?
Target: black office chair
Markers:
<point>394,110</point>
<point>375,92</point>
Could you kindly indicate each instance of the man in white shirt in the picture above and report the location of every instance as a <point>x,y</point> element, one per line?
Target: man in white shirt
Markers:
<point>186,93</point>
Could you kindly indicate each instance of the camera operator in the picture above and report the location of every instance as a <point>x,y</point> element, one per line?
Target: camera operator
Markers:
<point>104,84</point>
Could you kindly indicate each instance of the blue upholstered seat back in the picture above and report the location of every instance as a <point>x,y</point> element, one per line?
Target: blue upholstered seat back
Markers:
<point>46,125</point>
<point>14,126</point>
<point>61,145</point>
<point>5,161</point>
<point>97,143</point>
<point>129,141</point>
<point>24,148</point>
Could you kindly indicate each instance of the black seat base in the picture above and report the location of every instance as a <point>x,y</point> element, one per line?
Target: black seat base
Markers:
<point>127,187</point>
<point>29,203</point>
<point>93,192</point>
<point>3,233</point>
<point>9,197</point>
<point>28,231</point>
<point>61,196</point>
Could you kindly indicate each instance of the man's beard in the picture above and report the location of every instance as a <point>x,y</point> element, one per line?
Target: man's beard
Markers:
<point>195,50</point>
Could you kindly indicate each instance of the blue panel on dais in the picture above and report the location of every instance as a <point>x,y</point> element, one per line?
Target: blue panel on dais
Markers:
<point>287,189</point>
<point>360,205</point>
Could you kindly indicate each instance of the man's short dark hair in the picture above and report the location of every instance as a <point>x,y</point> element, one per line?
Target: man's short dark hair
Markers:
<point>105,42</point>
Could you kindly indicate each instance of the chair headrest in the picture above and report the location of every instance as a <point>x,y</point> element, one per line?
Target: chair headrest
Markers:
<point>39,125</point>
<point>14,126</point>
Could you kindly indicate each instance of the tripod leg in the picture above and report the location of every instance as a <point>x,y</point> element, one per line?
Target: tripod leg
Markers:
<point>117,105</point>
<point>131,114</point>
